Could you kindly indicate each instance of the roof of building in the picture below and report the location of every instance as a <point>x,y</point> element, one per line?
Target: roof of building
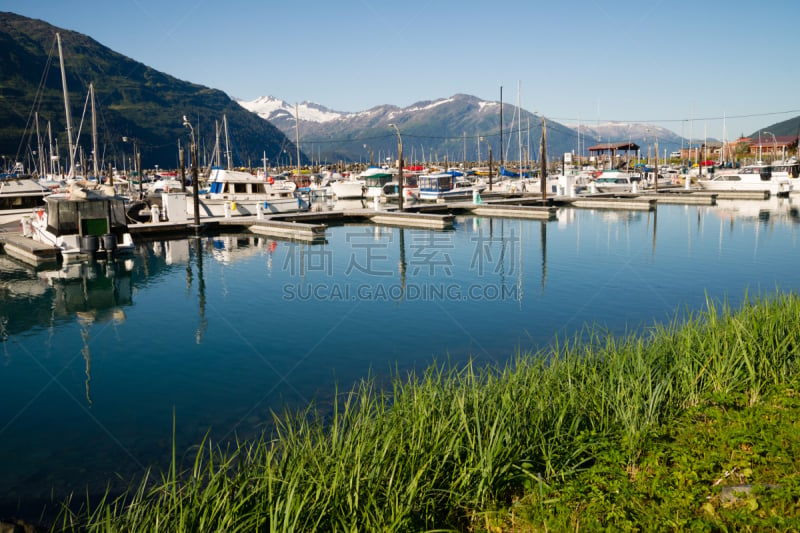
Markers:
<point>614,146</point>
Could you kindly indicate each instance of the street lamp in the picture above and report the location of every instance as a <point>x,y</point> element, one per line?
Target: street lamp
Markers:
<point>371,154</point>
<point>490,162</point>
<point>774,145</point>
<point>138,160</point>
<point>195,184</point>
<point>400,165</point>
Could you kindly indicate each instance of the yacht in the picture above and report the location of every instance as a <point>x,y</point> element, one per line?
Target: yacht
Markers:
<point>237,193</point>
<point>758,177</point>
<point>617,182</point>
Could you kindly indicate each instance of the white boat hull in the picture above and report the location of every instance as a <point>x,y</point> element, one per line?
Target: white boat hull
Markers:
<point>347,189</point>
<point>219,207</point>
<point>774,187</point>
<point>461,192</point>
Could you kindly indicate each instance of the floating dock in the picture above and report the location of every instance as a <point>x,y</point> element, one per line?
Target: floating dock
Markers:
<point>684,199</point>
<point>632,203</point>
<point>300,231</point>
<point>403,219</point>
<point>27,250</point>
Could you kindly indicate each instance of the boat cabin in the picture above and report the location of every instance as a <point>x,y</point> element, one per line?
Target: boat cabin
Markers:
<point>436,182</point>
<point>238,187</point>
<point>85,216</point>
<point>764,171</point>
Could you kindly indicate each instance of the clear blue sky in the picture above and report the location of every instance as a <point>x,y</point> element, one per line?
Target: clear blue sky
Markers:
<point>660,61</point>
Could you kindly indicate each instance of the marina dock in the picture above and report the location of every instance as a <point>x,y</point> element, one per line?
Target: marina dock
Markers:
<point>311,226</point>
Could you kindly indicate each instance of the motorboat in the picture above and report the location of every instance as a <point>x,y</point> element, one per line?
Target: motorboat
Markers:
<point>238,193</point>
<point>443,185</point>
<point>410,187</point>
<point>350,188</point>
<point>82,223</point>
<point>789,169</point>
<point>615,181</point>
<point>19,195</point>
<point>374,180</point>
<point>757,177</point>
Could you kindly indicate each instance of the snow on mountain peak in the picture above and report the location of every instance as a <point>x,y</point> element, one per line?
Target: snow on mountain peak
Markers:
<point>268,106</point>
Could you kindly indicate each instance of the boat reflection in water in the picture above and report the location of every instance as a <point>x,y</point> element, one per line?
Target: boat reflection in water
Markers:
<point>774,209</point>
<point>92,292</point>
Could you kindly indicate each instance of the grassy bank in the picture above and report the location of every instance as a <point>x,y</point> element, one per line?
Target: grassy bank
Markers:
<point>555,440</point>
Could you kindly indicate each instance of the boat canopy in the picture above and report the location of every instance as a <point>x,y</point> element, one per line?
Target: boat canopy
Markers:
<point>95,216</point>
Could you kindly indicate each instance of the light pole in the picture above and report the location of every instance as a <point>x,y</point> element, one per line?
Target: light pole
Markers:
<point>400,166</point>
<point>137,160</point>
<point>195,185</point>
<point>774,145</point>
<point>490,162</point>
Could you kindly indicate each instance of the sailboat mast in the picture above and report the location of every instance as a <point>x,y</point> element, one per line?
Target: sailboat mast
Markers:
<point>227,144</point>
<point>297,137</point>
<point>465,153</point>
<point>724,138</point>
<point>519,128</point>
<point>50,151</point>
<point>501,126</point>
<point>66,108</point>
<point>40,148</point>
<point>217,156</point>
<point>543,162</point>
<point>95,152</point>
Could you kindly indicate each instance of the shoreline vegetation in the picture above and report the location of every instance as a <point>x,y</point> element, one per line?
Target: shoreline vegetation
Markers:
<point>688,425</point>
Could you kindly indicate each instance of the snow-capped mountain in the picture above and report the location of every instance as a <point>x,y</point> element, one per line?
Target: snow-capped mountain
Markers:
<point>447,127</point>
<point>622,131</point>
<point>271,108</point>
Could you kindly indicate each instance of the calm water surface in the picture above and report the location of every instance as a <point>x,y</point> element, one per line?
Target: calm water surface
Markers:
<point>218,333</point>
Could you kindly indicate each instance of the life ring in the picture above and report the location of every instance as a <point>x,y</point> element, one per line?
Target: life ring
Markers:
<point>271,180</point>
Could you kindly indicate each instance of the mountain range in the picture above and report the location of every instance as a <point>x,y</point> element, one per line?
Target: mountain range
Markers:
<point>459,127</point>
<point>137,102</point>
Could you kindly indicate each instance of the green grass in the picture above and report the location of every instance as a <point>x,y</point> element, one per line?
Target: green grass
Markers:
<point>605,433</point>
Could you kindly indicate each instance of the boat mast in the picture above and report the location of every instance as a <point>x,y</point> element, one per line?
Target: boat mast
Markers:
<point>519,128</point>
<point>42,170</point>
<point>501,126</point>
<point>50,151</point>
<point>94,133</point>
<point>543,162</point>
<point>227,145</point>
<point>66,108</point>
<point>297,137</point>
<point>724,138</point>
<point>217,156</point>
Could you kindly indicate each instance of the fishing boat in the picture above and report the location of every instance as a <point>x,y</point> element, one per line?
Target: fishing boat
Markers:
<point>237,193</point>
<point>82,223</point>
<point>19,194</point>
<point>446,186</point>
<point>757,177</point>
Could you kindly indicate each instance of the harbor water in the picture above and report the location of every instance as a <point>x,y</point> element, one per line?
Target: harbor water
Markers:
<point>214,336</point>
